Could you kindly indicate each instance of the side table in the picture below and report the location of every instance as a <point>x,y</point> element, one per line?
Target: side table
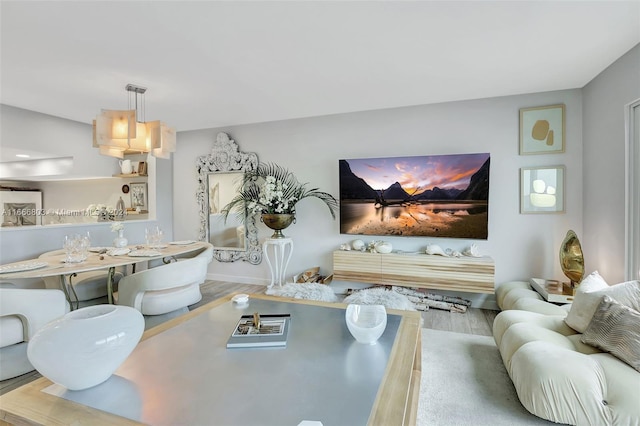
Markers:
<point>552,291</point>
<point>282,251</point>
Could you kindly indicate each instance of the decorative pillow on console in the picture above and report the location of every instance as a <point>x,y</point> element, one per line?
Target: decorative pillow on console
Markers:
<point>615,328</point>
<point>589,295</point>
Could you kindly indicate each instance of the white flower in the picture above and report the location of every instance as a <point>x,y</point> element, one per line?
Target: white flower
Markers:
<point>117,226</point>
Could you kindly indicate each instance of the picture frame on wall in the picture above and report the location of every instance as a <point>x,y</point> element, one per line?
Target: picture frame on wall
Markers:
<point>21,208</point>
<point>139,196</point>
<point>542,189</point>
<point>542,130</point>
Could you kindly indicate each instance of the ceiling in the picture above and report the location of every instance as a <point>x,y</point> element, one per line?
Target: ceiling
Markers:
<point>214,64</point>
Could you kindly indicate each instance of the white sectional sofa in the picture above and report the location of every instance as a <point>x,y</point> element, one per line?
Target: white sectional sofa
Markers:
<point>556,375</point>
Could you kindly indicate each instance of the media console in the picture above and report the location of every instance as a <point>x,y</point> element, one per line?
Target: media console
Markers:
<point>466,274</point>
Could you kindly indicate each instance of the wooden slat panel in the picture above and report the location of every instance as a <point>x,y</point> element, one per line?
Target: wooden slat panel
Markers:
<point>468,274</point>
<point>357,266</point>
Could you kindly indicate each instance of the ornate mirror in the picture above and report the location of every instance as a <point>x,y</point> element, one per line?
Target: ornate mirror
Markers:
<point>219,176</point>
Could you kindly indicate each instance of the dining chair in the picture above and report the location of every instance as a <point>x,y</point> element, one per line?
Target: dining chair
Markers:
<point>165,291</point>
<point>85,288</point>
<point>22,313</point>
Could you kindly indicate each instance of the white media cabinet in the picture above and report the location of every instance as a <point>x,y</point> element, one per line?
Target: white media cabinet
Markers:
<point>465,274</point>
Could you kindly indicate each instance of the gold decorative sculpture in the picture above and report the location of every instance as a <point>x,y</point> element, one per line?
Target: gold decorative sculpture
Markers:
<point>571,259</point>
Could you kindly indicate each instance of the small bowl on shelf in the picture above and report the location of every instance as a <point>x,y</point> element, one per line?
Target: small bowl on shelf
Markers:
<point>366,323</point>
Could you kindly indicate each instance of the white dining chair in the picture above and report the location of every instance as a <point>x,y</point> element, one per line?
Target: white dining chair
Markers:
<point>22,313</point>
<point>165,291</point>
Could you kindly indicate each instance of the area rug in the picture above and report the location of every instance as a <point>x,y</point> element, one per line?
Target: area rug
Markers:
<point>464,382</point>
<point>308,291</point>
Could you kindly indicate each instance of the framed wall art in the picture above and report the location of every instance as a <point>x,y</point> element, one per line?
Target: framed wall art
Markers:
<point>139,198</point>
<point>542,130</point>
<point>416,196</point>
<point>21,208</point>
<point>542,189</point>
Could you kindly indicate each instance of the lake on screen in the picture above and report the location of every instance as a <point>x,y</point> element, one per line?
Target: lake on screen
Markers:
<point>443,219</point>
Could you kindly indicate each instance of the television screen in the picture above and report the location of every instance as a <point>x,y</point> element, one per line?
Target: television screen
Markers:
<point>426,196</point>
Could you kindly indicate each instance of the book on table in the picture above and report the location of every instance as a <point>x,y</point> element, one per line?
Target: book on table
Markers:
<point>260,331</point>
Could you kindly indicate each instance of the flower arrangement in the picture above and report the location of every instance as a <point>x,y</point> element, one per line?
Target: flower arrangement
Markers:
<point>117,226</point>
<point>271,189</point>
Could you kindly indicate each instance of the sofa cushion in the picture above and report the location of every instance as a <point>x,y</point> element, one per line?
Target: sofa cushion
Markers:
<point>614,329</point>
<point>590,293</point>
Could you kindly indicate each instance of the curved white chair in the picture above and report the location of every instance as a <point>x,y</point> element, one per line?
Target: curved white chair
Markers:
<point>86,288</point>
<point>166,288</point>
<point>22,313</point>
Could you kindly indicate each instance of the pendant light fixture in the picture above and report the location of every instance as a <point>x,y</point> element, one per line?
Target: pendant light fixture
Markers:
<point>120,132</point>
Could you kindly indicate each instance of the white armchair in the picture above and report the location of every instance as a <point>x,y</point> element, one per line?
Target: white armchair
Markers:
<point>166,288</point>
<point>22,313</point>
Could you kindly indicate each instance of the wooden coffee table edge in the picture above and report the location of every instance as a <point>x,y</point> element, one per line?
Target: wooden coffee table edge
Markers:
<point>396,401</point>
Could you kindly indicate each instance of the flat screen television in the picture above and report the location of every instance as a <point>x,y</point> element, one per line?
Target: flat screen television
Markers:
<point>423,196</point>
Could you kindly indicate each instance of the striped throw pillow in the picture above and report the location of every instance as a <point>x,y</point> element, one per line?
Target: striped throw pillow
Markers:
<point>615,328</point>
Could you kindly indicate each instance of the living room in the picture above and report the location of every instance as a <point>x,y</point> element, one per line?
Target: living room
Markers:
<point>316,134</point>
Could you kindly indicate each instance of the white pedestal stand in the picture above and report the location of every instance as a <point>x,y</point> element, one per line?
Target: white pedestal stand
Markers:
<point>282,251</point>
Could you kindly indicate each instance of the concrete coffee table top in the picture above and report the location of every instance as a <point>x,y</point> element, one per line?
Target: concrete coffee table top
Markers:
<point>182,373</point>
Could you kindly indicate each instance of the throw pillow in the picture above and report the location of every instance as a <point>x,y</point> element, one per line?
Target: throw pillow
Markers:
<point>578,318</point>
<point>614,329</point>
<point>380,296</point>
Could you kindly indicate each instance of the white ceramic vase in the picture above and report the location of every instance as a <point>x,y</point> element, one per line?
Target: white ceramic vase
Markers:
<point>84,347</point>
<point>120,241</point>
<point>366,323</point>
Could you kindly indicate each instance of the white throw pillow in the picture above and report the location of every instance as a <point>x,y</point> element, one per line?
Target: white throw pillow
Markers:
<point>590,293</point>
<point>581,310</point>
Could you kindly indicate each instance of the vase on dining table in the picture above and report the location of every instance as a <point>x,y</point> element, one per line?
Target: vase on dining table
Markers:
<point>278,222</point>
<point>120,240</point>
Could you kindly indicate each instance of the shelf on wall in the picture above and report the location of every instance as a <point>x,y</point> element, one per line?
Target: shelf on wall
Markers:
<point>130,175</point>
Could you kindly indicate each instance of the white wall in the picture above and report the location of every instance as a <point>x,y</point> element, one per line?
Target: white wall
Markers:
<point>43,133</point>
<point>521,245</point>
<point>604,164</point>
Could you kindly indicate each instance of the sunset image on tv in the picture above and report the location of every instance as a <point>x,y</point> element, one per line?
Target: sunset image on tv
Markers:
<point>433,196</point>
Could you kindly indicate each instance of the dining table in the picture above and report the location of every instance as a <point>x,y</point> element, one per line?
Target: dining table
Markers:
<point>56,272</point>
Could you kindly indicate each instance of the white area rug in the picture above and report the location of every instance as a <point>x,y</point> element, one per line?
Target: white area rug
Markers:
<point>380,296</point>
<point>324,293</point>
<point>308,291</point>
<point>464,382</point>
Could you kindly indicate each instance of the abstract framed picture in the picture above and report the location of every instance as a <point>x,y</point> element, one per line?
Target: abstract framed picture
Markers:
<point>418,196</point>
<point>139,197</point>
<point>542,130</point>
<point>542,189</point>
<point>21,208</point>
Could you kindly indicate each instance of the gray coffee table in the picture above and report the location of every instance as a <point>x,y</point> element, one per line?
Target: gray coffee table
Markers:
<point>182,373</point>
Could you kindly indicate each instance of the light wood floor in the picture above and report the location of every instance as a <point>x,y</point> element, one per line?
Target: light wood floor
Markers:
<point>474,321</point>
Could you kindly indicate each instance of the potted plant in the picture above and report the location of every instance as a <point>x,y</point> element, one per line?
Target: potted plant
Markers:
<point>273,192</point>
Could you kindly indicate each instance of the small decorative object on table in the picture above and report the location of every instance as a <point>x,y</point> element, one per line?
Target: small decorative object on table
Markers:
<point>120,240</point>
<point>257,330</point>
<point>366,323</point>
